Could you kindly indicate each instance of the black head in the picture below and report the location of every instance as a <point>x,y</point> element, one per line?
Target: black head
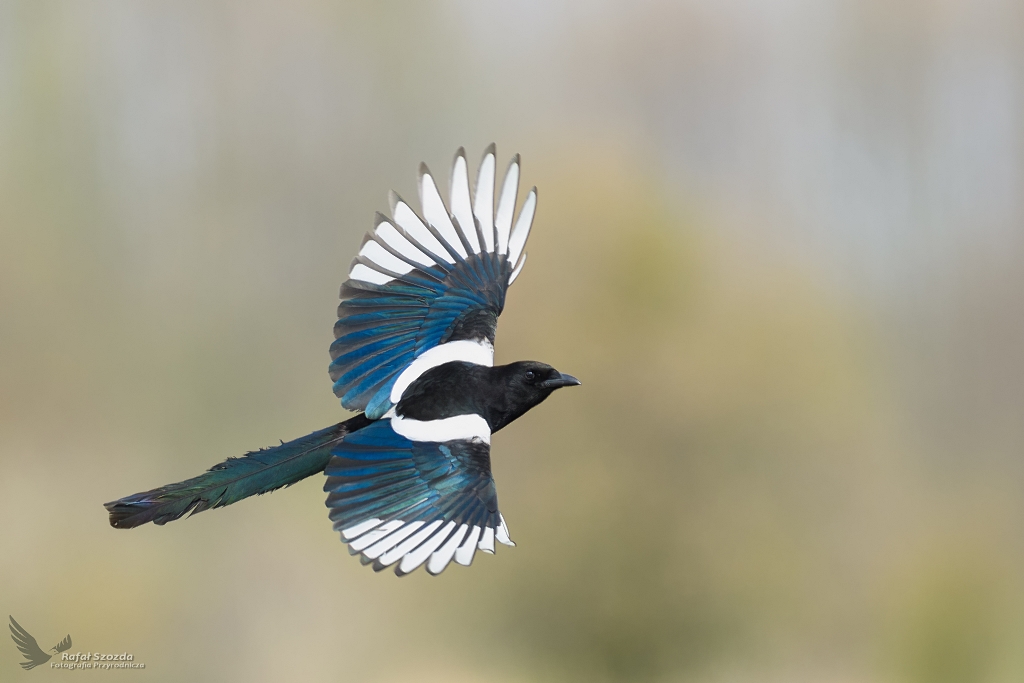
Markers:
<point>526,383</point>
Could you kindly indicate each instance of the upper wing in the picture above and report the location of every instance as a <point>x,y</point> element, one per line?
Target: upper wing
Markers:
<point>28,646</point>
<point>64,644</point>
<point>394,498</point>
<point>425,291</point>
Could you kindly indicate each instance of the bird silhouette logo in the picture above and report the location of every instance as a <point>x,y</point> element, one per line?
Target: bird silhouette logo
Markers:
<point>34,655</point>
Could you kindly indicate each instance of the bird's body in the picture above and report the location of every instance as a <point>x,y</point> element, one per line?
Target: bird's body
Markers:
<point>409,479</point>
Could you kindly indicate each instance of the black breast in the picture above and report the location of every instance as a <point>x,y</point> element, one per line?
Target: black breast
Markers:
<point>454,388</point>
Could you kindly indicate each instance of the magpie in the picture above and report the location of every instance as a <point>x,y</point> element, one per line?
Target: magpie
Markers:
<point>409,479</point>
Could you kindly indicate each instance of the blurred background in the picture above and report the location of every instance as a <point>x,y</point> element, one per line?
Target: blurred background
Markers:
<point>780,242</point>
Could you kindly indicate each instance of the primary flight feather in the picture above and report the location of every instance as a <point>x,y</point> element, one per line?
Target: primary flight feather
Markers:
<point>409,479</point>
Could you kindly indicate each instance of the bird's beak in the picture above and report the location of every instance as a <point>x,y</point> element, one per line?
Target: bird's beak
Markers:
<point>563,380</point>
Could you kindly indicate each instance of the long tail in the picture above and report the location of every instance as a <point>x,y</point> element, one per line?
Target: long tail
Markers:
<point>234,479</point>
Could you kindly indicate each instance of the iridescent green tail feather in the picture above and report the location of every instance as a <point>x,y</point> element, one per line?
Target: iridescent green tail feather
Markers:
<point>234,479</point>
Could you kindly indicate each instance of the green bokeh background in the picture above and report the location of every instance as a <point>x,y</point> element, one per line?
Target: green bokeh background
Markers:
<point>781,243</point>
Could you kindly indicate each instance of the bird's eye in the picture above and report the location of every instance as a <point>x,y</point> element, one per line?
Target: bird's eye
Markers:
<point>530,375</point>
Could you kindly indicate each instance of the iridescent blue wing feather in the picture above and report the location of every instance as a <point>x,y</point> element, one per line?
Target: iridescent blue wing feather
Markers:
<point>420,284</point>
<point>395,500</point>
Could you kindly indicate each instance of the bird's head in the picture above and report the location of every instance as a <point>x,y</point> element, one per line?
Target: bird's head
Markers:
<point>527,383</point>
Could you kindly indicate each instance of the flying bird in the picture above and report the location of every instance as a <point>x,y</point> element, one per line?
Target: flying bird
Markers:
<point>34,656</point>
<point>409,479</point>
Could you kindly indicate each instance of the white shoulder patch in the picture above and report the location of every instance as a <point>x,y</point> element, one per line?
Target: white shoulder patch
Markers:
<point>476,352</point>
<point>458,428</point>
